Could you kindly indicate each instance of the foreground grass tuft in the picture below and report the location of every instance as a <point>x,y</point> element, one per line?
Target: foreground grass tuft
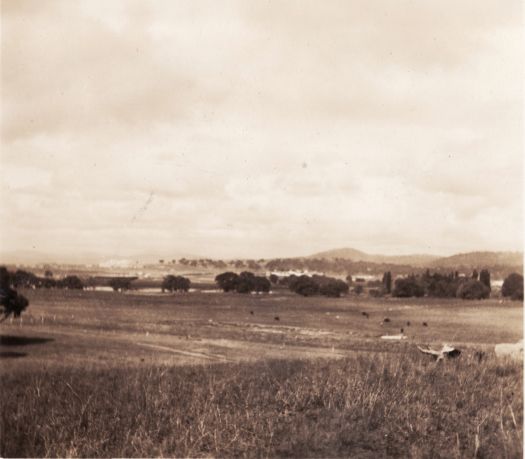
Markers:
<point>364,406</point>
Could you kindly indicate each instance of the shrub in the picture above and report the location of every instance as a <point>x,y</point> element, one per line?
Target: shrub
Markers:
<point>408,287</point>
<point>472,290</point>
<point>358,289</point>
<point>513,286</point>
<point>375,292</point>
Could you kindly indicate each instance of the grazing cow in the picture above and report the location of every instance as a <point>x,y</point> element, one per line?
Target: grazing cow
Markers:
<point>425,324</point>
<point>276,318</point>
<point>365,314</point>
<point>251,312</point>
<point>408,323</point>
<point>386,320</point>
<point>402,330</point>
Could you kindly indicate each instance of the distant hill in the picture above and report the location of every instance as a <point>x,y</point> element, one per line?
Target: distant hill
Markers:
<point>358,255</point>
<point>480,260</point>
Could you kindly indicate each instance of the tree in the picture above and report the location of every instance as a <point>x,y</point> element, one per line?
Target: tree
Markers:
<point>175,283</point>
<point>387,282</point>
<point>484,277</point>
<point>274,279</point>
<point>48,274</point>
<point>261,284</point>
<point>304,285</point>
<point>227,281</point>
<point>513,286</point>
<point>475,275</point>
<point>12,303</point>
<point>245,282</point>
<point>408,287</point>
<point>119,284</point>
<point>333,288</point>
<point>441,286</point>
<point>25,279</point>
<point>71,283</point>
<point>472,289</point>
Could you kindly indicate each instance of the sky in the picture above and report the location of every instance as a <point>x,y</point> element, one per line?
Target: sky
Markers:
<point>259,128</point>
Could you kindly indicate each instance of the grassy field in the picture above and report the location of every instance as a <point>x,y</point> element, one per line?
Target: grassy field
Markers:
<point>206,374</point>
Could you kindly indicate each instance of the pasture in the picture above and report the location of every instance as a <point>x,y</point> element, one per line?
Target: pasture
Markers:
<point>91,373</point>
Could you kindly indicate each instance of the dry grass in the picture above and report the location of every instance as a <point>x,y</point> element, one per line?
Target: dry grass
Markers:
<point>363,406</point>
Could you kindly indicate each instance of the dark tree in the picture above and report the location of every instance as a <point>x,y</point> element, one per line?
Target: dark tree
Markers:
<point>120,284</point>
<point>25,279</point>
<point>261,284</point>
<point>408,287</point>
<point>227,281</point>
<point>475,275</point>
<point>473,290</point>
<point>387,282</point>
<point>484,278</point>
<point>175,284</point>
<point>304,285</point>
<point>71,283</point>
<point>349,279</point>
<point>333,288</point>
<point>274,278</point>
<point>12,303</point>
<point>513,286</point>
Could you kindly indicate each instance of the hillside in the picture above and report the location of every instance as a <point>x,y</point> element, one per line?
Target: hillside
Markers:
<point>480,259</point>
<point>358,255</point>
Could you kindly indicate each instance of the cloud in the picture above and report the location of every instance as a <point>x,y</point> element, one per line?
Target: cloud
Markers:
<point>262,128</point>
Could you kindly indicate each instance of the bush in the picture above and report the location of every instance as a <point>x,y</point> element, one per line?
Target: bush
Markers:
<point>175,283</point>
<point>358,289</point>
<point>513,286</point>
<point>375,292</point>
<point>472,290</point>
<point>408,287</point>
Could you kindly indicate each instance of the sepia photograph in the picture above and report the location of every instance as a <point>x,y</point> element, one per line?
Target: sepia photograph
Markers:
<point>262,228</point>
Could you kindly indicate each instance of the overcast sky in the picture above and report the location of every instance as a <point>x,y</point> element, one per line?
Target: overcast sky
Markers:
<point>261,128</point>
